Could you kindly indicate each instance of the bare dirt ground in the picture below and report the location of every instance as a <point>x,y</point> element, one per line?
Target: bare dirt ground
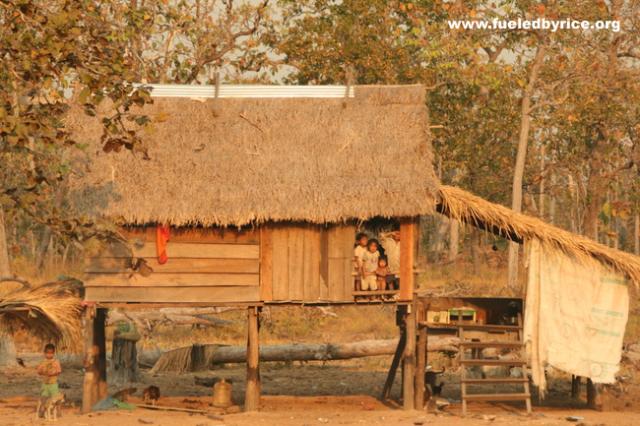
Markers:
<point>324,394</point>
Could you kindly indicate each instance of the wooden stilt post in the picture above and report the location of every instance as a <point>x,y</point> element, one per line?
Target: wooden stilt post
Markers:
<point>252,394</point>
<point>576,383</point>
<point>594,399</point>
<point>421,361</point>
<point>388,384</point>
<point>100,344</point>
<point>409,360</point>
<point>91,376</point>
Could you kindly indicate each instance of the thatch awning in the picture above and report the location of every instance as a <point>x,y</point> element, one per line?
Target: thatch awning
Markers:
<point>240,161</point>
<point>466,207</point>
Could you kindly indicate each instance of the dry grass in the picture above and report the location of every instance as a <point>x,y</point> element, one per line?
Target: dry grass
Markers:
<point>287,324</point>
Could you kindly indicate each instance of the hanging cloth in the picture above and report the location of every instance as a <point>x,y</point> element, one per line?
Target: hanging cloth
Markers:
<point>162,238</point>
<point>575,316</point>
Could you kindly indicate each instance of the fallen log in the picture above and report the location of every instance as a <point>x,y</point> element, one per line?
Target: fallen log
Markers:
<point>202,357</point>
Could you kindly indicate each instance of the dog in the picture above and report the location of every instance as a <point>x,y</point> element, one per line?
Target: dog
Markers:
<point>50,407</point>
<point>151,394</point>
<point>432,390</point>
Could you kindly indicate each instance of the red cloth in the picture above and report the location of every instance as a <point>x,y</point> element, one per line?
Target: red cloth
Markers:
<point>162,238</point>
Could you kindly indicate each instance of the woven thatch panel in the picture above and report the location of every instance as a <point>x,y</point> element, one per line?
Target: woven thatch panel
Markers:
<point>466,207</point>
<point>238,161</point>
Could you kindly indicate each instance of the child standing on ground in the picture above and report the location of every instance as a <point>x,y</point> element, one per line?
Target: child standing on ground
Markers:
<point>49,369</point>
<point>369,265</point>
<point>358,251</point>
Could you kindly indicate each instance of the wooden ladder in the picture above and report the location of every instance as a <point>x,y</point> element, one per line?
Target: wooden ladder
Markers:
<point>476,360</point>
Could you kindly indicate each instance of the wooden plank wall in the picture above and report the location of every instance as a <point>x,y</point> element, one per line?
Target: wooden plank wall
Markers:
<point>312,263</point>
<point>205,265</point>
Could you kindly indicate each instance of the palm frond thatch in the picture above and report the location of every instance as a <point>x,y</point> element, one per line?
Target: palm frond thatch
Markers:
<point>51,311</point>
<point>466,207</point>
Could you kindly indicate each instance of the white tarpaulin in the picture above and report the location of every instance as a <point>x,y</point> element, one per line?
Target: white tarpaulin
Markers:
<point>575,316</point>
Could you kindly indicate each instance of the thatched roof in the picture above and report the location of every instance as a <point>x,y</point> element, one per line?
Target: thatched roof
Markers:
<point>51,311</point>
<point>239,161</point>
<point>466,207</point>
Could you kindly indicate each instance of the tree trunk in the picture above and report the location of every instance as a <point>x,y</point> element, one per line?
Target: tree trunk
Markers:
<point>5,266</point>
<point>179,360</point>
<point>7,351</point>
<point>636,234</point>
<point>7,346</point>
<point>518,172</point>
<point>542,183</point>
<point>454,239</point>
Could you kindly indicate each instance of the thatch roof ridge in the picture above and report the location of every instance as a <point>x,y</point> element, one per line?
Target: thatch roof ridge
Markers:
<point>232,161</point>
<point>461,205</point>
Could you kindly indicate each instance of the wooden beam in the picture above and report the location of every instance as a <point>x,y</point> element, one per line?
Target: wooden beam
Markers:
<point>408,230</point>
<point>266,263</point>
<point>388,384</point>
<point>252,393</point>
<point>421,360</point>
<point>113,265</point>
<point>157,279</point>
<point>187,250</point>
<point>91,374</point>
<point>174,295</point>
<point>576,384</point>
<point>594,397</point>
<point>409,360</point>
<point>195,235</point>
<point>100,345</point>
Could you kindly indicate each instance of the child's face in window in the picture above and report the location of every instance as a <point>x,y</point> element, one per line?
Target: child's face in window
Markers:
<point>363,241</point>
<point>373,247</point>
<point>382,263</point>
<point>49,354</point>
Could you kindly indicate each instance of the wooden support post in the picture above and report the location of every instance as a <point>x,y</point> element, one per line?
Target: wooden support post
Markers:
<point>576,384</point>
<point>388,384</point>
<point>91,374</point>
<point>100,345</point>
<point>421,361</point>
<point>594,399</point>
<point>252,394</point>
<point>408,231</point>
<point>409,360</point>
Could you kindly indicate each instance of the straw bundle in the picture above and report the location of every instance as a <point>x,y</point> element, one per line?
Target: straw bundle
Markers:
<point>51,311</point>
<point>466,207</point>
<point>239,161</point>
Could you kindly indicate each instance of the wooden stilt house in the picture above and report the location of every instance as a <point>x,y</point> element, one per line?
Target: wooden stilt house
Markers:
<point>260,190</point>
<point>251,196</point>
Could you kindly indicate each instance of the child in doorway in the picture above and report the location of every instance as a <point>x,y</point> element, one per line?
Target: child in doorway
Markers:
<point>381,273</point>
<point>358,251</point>
<point>49,369</point>
<point>369,265</point>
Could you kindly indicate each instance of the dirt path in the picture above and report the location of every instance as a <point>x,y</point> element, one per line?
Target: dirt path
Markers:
<point>338,394</point>
<point>290,411</point>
